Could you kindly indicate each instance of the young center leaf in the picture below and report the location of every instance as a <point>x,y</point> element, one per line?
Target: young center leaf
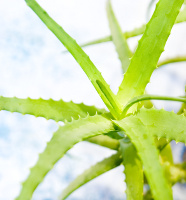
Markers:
<point>76,51</point>
<point>49,109</point>
<point>61,142</point>
<point>152,43</point>
<point>91,173</point>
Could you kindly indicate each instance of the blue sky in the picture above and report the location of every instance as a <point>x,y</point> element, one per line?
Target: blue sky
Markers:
<point>33,65</point>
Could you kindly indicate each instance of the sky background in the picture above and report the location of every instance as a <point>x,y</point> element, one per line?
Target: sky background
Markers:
<point>32,64</point>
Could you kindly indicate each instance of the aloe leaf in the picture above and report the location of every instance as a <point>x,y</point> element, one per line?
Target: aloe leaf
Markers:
<point>135,32</point>
<point>147,151</point>
<point>133,171</point>
<point>149,97</point>
<point>152,43</point>
<point>64,139</point>
<point>91,173</point>
<point>105,141</point>
<point>80,56</point>
<point>174,173</point>
<point>182,16</point>
<point>49,109</point>
<point>163,124</point>
<point>166,154</point>
<point>119,40</point>
<point>172,60</point>
<point>116,110</point>
<point>128,34</point>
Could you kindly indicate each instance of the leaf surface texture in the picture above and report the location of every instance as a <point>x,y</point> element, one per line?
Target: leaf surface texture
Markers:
<point>49,109</point>
<point>64,139</point>
<point>147,151</point>
<point>76,51</point>
<point>152,43</point>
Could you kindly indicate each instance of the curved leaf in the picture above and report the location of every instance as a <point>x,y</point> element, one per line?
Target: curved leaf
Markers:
<point>146,148</point>
<point>119,40</point>
<point>133,171</point>
<point>172,60</point>
<point>64,139</point>
<point>49,109</point>
<point>91,173</point>
<point>152,43</point>
<point>149,97</point>
<point>76,51</point>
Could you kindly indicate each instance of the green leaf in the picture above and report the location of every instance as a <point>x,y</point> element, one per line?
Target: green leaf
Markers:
<point>128,34</point>
<point>133,171</point>
<point>172,60</point>
<point>149,97</point>
<point>166,154</point>
<point>49,109</point>
<point>105,141</point>
<point>160,143</point>
<point>182,16</point>
<point>80,56</point>
<point>119,40</point>
<point>152,43</point>
<point>146,148</point>
<point>64,139</point>
<point>91,173</point>
<point>115,109</point>
<point>163,124</point>
<point>135,32</point>
<point>118,135</point>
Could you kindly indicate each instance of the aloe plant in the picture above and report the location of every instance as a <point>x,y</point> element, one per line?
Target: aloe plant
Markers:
<point>140,135</point>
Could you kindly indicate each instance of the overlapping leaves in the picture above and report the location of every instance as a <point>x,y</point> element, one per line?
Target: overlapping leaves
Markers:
<point>88,121</point>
